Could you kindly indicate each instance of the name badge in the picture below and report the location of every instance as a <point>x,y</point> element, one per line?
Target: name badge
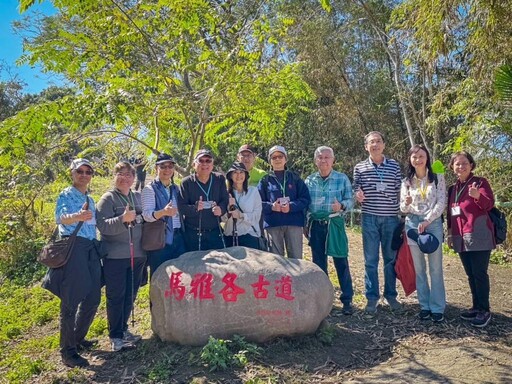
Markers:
<point>455,211</point>
<point>381,187</point>
<point>422,207</point>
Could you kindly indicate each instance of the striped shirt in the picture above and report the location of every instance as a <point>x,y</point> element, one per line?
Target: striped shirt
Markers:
<point>149,205</point>
<point>381,186</point>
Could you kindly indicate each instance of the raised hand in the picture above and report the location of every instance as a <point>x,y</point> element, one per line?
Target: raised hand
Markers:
<point>474,192</point>
<point>128,215</point>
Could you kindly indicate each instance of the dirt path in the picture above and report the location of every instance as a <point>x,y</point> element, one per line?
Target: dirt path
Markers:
<point>404,349</point>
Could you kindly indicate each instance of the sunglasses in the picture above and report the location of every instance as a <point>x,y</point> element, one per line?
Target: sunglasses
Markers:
<point>205,161</point>
<point>277,157</point>
<point>81,172</point>
<point>166,166</point>
<point>125,175</point>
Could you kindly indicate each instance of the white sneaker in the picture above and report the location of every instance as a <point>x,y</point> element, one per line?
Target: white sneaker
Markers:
<point>119,344</point>
<point>130,337</point>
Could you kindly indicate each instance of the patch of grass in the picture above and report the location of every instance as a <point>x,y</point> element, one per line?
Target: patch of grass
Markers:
<point>20,363</point>
<point>219,354</point>
<point>22,308</point>
<point>326,333</point>
<point>164,368</point>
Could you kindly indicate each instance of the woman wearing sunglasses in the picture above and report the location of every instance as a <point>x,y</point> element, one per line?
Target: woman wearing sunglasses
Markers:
<point>160,202</point>
<point>78,282</point>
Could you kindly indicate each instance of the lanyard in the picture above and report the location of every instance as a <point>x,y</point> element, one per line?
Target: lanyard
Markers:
<point>282,186</point>
<point>422,187</point>
<point>458,193</point>
<point>207,193</point>
<point>128,200</point>
<point>379,173</point>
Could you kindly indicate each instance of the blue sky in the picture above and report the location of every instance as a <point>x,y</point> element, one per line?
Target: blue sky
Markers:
<point>11,47</point>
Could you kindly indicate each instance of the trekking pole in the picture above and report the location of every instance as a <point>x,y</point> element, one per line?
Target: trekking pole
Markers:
<point>199,232</point>
<point>132,264</point>
<point>221,234</point>
<point>235,234</point>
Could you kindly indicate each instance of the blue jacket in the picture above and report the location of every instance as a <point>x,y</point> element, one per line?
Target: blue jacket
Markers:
<point>271,189</point>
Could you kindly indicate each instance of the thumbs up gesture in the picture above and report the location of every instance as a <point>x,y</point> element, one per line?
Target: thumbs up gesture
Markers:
<point>474,192</point>
<point>408,198</point>
<point>128,215</point>
<point>336,206</point>
<point>84,214</point>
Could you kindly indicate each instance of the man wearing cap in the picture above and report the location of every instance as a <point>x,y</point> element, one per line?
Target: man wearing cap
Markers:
<point>331,197</point>
<point>247,155</point>
<point>377,182</point>
<point>285,198</point>
<point>78,282</point>
<point>160,202</point>
<point>202,200</point>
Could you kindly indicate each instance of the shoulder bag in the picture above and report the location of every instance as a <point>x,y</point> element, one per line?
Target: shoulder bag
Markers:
<point>153,235</point>
<point>56,253</point>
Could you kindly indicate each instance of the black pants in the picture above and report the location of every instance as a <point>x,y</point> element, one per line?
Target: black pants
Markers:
<point>317,242</point>
<point>243,241</point>
<point>75,319</point>
<point>212,239</point>
<point>476,264</point>
<point>118,287</point>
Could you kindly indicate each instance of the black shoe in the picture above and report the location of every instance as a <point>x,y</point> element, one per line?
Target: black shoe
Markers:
<point>469,314</point>
<point>347,309</point>
<point>86,345</point>
<point>424,314</point>
<point>75,361</point>
<point>481,320</point>
<point>437,317</point>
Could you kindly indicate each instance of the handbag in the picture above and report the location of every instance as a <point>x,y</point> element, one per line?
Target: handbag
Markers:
<point>57,252</point>
<point>153,235</point>
<point>404,267</point>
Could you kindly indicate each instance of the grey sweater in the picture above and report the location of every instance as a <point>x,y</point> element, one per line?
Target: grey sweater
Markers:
<point>114,233</point>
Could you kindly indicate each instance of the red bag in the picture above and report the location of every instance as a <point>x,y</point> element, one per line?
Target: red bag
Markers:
<point>404,268</point>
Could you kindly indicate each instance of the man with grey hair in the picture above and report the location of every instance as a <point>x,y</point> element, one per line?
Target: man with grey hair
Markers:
<point>331,197</point>
<point>377,182</point>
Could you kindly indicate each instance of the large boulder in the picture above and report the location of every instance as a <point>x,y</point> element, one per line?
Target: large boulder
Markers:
<point>240,291</point>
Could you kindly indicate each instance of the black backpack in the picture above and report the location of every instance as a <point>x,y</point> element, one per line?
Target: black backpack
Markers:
<point>499,221</point>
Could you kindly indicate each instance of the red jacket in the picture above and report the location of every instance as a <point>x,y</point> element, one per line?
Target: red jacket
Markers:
<point>472,230</point>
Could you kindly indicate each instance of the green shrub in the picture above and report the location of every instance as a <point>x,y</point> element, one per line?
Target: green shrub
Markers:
<point>219,354</point>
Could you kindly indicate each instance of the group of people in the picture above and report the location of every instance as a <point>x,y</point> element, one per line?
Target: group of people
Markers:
<point>250,207</point>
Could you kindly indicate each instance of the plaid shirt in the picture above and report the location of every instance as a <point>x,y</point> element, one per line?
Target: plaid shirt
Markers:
<point>324,191</point>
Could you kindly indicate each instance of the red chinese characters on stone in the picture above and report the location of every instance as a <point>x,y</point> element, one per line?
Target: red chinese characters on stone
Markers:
<point>176,289</point>
<point>259,290</point>
<point>284,288</point>
<point>230,290</point>
<point>201,286</point>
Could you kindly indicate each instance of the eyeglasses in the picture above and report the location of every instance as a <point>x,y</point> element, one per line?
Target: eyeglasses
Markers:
<point>246,156</point>
<point>277,157</point>
<point>166,166</point>
<point>205,161</point>
<point>82,172</point>
<point>127,174</point>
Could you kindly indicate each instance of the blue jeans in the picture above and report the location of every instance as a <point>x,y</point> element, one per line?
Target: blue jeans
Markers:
<point>431,298</point>
<point>169,252</point>
<point>317,242</point>
<point>378,231</point>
